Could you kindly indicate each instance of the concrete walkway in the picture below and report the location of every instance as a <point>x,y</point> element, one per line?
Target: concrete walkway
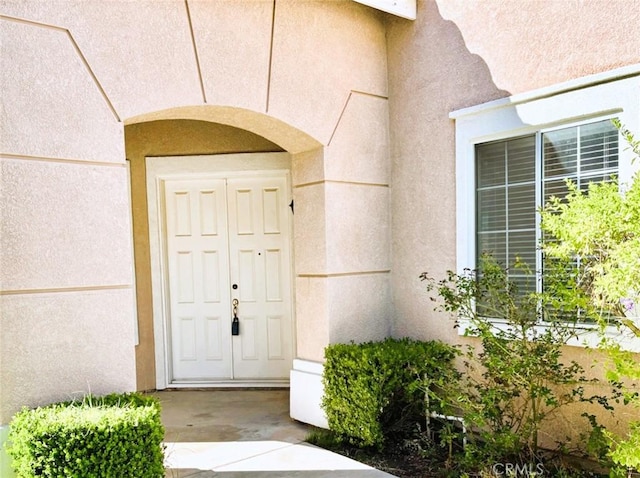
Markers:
<point>244,433</point>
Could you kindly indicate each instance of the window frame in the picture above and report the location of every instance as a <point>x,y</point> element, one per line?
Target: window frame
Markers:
<point>605,95</point>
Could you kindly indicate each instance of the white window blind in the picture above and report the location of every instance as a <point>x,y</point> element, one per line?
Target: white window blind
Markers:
<point>514,177</point>
<point>582,154</point>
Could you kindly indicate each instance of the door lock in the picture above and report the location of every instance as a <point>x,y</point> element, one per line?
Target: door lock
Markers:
<point>235,322</point>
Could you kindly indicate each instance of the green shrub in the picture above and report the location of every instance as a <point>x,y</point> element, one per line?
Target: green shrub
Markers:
<point>373,389</point>
<point>112,436</point>
<point>602,228</point>
<point>515,378</point>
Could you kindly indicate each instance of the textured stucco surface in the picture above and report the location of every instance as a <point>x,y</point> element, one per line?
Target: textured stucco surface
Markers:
<point>276,131</point>
<point>310,231</point>
<point>308,167</point>
<point>312,331</point>
<point>63,225</point>
<point>422,154</point>
<point>357,308</point>
<point>459,54</point>
<point>343,294</point>
<point>545,42</point>
<point>241,61</point>
<point>359,147</point>
<point>358,228</point>
<point>470,53</point>
<point>322,51</point>
<point>141,52</point>
<point>67,303</point>
<point>63,345</point>
<point>310,73</point>
<point>190,137</point>
<point>353,299</point>
<point>41,114</point>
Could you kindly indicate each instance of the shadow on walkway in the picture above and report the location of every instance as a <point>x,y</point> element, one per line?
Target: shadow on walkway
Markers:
<point>244,433</point>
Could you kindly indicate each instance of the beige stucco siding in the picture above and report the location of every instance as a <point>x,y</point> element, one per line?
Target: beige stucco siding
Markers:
<point>231,59</point>
<point>39,198</point>
<point>459,54</point>
<point>321,52</point>
<point>65,256</point>
<point>431,72</point>
<point>141,52</point>
<point>311,79</point>
<point>43,78</point>
<point>540,43</point>
<point>63,345</point>
<point>359,99</point>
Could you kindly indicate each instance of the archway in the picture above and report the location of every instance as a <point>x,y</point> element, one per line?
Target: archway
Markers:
<point>178,133</point>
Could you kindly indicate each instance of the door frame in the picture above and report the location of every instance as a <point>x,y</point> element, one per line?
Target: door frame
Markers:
<point>220,166</point>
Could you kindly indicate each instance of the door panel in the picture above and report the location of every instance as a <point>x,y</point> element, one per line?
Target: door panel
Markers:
<point>224,232</point>
<point>260,265</point>
<point>197,253</point>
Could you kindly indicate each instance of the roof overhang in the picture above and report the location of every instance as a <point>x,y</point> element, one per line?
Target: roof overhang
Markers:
<point>401,8</point>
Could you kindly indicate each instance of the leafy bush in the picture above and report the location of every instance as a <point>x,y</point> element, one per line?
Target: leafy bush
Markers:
<point>372,390</point>
<point>112,436</point>
<point>602,228</point>
<point>515,379</point>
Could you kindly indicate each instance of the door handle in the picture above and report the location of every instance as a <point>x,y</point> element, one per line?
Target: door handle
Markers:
<point>235,322</point>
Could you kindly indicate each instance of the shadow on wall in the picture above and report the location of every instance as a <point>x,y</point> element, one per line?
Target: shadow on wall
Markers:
<point>431,73</point>
<point>430,62</point>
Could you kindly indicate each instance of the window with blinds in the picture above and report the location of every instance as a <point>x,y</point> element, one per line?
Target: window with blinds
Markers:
<point>516,176</point>
<point>583,154</point>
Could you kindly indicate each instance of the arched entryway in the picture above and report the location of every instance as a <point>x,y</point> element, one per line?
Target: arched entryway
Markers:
<point>222,152</point>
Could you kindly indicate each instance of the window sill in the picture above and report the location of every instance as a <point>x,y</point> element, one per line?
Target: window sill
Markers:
<point>586,335</point>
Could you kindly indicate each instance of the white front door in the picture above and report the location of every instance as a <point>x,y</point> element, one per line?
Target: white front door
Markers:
<point>226,239</point>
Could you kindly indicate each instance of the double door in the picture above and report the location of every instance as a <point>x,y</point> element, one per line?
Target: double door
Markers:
<point>228,256</point>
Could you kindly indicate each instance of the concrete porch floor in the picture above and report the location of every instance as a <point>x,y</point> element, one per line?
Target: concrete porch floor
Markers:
<point>244,433</point>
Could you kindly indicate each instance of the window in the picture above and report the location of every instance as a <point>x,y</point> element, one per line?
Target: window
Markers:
<point>514,153</point>
<point>515,176</point>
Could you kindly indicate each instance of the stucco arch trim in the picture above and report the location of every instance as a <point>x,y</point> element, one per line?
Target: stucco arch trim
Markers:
<point>289,138</point>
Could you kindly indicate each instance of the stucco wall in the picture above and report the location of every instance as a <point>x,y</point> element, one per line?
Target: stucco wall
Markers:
<point>459,54</point>
<point>431,72</point>
<point>311,78</point>
<point>65,273</point>
<point>324,80</point>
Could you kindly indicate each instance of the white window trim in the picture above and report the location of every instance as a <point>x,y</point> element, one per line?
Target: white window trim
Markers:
<point>613,93</point>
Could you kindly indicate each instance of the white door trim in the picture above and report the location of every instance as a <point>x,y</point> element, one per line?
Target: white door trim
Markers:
<point>160,169</point>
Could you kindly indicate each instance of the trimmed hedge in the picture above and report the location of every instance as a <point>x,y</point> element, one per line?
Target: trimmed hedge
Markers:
<point>374,389</point>
<point>115,436</point>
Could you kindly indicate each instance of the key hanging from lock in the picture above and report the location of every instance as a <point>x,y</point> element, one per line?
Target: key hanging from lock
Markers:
<point>235,323</point>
